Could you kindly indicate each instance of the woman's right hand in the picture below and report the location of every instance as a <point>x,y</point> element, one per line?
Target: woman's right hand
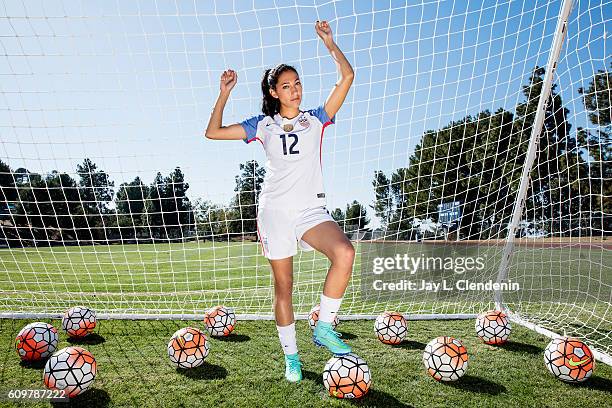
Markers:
<point>228,80</point>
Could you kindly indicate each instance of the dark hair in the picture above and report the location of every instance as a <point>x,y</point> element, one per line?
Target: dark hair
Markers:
<point>270,105</point>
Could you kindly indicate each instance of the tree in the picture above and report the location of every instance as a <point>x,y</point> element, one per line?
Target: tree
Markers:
<point>130,203</point>
<point>62,202</point>
<point>8,188</point>
<point>478,161</point>
<point>383,204</point>
<point>597,98</point>
<point>597,143</point>
<point>356,216</point>
<point>244,203</point>
<point>8,198</point>
<point>152,215</point>
<point>554,199</point>
<point>167,210</point>
<point>339,217</point>
<point>177,211</point>
<point>212,221</point>
<point>48,209</point>
<point>95,187</point>
<point>96,193</point>
<point>459,162</point>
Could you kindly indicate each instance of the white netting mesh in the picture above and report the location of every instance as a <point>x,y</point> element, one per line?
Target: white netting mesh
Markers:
<point>112,197</point>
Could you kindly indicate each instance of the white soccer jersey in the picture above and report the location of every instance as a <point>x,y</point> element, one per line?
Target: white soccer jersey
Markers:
<point>293,168</point>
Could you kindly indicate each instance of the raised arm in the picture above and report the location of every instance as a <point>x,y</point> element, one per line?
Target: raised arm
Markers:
<point>345,70</point>
<point>215,129</point>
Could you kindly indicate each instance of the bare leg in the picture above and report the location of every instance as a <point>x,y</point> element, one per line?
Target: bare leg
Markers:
<point>329,239</point>
<point>282,270</point>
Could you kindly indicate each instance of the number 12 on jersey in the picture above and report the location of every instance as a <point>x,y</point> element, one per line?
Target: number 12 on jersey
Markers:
<point>295,140</point>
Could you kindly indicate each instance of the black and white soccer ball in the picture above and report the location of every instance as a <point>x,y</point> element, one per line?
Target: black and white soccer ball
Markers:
<point>220,321</point>
<point>71,369</point>
<point>390,327</point>
<point>79,321</point>
<point>347,376</point>
<point>493,327</point>
<point>36,341</point>
<point>188,348</point>
<point>445,358</point>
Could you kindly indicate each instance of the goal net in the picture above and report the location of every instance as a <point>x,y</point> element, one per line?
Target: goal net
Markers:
<point>471,127</point>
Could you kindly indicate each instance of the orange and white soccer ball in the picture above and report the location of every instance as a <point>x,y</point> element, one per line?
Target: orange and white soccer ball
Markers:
<point>313,317</point>
<point>390,327</point>
<point>347,376</point>
<point>569,359</point>
<point>71,369</point>
<point>220,321</point>
<point>36,341</point>
<point>79,321</point>
<point>493,327</point>
<point>188,348</point>
<point>445,358</point>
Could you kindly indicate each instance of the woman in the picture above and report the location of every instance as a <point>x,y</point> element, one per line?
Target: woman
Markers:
<point>292,205</point>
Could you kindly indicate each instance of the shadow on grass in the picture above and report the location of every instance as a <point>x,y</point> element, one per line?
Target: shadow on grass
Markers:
<point>164,328</point>
<point>597,383</point>
<point>520,347</point>
<point>91,339</point>
<point>376,398</point>
<point>312,376</point>
<point>35,365</point>
<point>476,384</point>
<point>373,398</point>
<point>206,371</point>
<point>410,345</point>
<point>92,398</point>
<point>233,338</point>
<point>348,336</point>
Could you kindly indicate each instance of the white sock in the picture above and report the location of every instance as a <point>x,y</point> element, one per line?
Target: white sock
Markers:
<point>286,334</point>
<point>329,308</point>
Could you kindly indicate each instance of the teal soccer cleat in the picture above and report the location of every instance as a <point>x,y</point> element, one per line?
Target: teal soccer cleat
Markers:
<point>293,368</point>
<point>325,336</point>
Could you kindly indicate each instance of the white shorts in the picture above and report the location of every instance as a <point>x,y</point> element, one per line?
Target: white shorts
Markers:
<point>280,229</point>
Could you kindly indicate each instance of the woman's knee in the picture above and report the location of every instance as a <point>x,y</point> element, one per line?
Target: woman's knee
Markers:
<point>283,288</point>
<point>283,277</point>
<point>282,300</point>
<point>344,254</point>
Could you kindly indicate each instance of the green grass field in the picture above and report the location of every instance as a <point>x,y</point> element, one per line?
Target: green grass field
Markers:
<point>189,277</point>
<point>246,369</point>
<point>565,288</point>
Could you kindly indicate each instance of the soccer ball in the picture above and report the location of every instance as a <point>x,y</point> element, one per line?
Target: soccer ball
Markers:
<point>71,369</point>
<point>569,359</point>
<point>220,321</point>
<point>347,376</point>
<point>188,348</point>
<point>36,341</point>
<point>390,327</point>
<point>493,327</point>
<point>445,358</point>
<point>313,318</point>
<point>79,321</point>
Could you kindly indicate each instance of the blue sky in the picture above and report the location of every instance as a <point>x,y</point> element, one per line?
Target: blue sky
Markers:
<point>131,84</point>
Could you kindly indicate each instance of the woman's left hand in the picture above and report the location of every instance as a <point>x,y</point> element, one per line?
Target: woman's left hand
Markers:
<point>324,31</point>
